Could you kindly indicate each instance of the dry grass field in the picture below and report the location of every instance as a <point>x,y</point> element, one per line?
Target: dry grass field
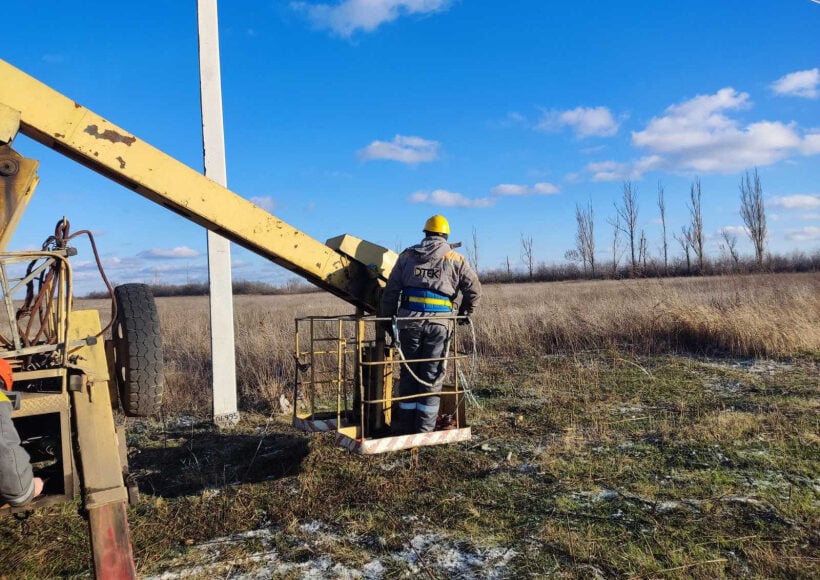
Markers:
<point>658,428</point>
<point>743,316</point>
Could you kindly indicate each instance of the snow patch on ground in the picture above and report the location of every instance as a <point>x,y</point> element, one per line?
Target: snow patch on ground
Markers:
<point>252,556</point>
<point>755,366</point>
<point>455,559</point>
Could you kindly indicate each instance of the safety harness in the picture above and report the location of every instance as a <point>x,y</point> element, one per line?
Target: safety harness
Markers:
<point>425,300</point>
<point>442,369</point>
<point>439,379</point>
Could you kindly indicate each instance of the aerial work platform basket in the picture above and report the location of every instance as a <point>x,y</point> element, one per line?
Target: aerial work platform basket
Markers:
<point>345,384</point>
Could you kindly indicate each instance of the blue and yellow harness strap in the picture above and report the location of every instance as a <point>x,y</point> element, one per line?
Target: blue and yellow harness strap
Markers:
<point>425,300</point>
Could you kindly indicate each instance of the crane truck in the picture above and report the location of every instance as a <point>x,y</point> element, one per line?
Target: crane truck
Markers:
<point>70,376</point>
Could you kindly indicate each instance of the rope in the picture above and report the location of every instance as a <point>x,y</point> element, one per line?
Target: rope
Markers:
<point>443,366</point>
<point>466,389</point>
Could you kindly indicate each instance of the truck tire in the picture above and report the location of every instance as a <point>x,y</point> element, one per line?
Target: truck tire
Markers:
<point>138,359</point>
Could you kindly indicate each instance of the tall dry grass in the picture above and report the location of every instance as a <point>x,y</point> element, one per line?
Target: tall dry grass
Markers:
<point>762,315</point>
<point>758,315</point>
<point>264,333</point>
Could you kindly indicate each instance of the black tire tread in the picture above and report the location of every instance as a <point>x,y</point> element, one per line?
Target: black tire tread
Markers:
<point>138,346</point>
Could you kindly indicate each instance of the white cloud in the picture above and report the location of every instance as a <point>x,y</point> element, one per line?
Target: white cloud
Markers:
<point>810,216</point>
<point>541,188</point>
<point>610,171</point>
<point>265,202</point>
<point>511,119</point>
<point>173,268</point>
<point>803,83</point>
<point>510,189</point>
<point>444,198</point>
<point>811,143</point>
<point>592,150</point>
<point>799,201</point>
<point>349,16</point>
<point>162,253</point>
<point>699,135</point>
<point>617,171</point>
<point>807,234</point>
<point>739,231</point>
<point>544,188</point>
<point>109,263</point>
<point>585,121</point>
<point>402,149</point>
<point>516,118</point>
<point>693,122</point>
<point>573,177</point>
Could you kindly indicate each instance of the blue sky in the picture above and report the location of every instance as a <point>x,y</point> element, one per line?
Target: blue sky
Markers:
<point>368,116</point>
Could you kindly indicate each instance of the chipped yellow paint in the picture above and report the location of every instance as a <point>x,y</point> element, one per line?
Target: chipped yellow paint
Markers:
<point>62,124</point>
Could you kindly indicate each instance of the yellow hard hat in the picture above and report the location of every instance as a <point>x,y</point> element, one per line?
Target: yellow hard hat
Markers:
<point>437,224</point>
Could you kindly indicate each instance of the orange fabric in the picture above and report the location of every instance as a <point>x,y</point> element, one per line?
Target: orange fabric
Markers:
<point>5,374</point>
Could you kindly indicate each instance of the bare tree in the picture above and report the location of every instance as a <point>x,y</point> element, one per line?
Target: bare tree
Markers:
<point>662,208</point>
<point>616,245</point>
<point>628,214</point>
<point>526,254</point>
<point>574,255</point>
<point>729,245</point>
<point>753,212</point>
<point>696,222</point>
<point>588,217</point>
<point>584,238</point>
<point>509,268</point>
<point>472,251</point>
<point>685,241</point>
<point>642,250</point>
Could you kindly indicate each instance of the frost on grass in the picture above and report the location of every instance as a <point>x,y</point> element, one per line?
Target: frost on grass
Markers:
<point>252,555</point>
<point>453,558</point>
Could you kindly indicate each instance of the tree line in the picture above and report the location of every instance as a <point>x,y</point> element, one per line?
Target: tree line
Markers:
<point>627,249</point>
<point>240,287</point>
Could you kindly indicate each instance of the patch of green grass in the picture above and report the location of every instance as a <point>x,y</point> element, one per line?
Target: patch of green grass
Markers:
<point>601,464</point>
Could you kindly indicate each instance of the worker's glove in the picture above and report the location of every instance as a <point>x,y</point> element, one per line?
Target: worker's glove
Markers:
<point>385,328</point>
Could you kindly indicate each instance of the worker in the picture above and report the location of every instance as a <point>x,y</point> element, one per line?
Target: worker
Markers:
<point>420,292</point>
<point>17,484</point>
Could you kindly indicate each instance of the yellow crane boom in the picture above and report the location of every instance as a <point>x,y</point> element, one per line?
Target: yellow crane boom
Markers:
<point>77,388</point>
<point>353,270</point>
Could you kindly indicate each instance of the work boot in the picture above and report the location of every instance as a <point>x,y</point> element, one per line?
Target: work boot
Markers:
<point>445,422</point>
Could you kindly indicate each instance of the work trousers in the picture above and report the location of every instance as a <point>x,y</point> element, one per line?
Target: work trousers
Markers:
<point>421,340</point>
<point>16,483</point>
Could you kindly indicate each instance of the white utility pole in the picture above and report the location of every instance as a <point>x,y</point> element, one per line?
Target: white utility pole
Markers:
<point>219,249</point>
